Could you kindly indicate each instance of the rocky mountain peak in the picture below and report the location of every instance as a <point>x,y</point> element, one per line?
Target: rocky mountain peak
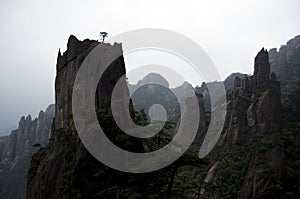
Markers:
<point>63,133</point>
<point>75,49</point>
<point>260,96</point>
<point>254,109</point>
<point>261,68</point>
<point>72,41</point>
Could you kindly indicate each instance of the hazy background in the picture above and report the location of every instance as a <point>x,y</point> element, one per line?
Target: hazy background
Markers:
<point>32,31</point>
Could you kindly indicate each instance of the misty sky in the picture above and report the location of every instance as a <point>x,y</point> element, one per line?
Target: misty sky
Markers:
<point>32,31</point>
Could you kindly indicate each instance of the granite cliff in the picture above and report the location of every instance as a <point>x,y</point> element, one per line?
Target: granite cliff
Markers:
<point>64,169</point>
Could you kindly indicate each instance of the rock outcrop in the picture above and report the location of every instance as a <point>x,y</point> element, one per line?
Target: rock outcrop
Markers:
<point>17,149</point>
<point>255,106</point>
<point>65,169</point>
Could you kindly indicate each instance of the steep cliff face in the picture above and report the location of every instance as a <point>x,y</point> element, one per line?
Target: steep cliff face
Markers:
<point>49,167</point>
<point>3,140</point>
<point>17,149</point>
<point>67,67</point>
<point>64,169</point>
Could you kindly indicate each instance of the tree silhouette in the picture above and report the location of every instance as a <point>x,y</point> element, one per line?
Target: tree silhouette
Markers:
<point>103,35</point>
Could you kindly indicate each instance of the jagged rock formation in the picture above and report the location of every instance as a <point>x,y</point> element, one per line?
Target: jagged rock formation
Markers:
<point>17,149</point>
<point>261,69</point>
<point>255,101</point>
<point>263,115</point>
<point>254,109</point>
<point>50,174</point>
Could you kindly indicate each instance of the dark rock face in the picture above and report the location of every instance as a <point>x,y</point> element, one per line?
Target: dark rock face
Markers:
<point>261,68</point>
<point>202,128</point>
<point>17,149</point>
<point>47,170</point>
<point>3,140</point>
<point>67,67</point>
<point>50,175</point>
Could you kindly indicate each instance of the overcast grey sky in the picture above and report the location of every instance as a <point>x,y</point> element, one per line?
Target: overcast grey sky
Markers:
<point>32,31</point>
